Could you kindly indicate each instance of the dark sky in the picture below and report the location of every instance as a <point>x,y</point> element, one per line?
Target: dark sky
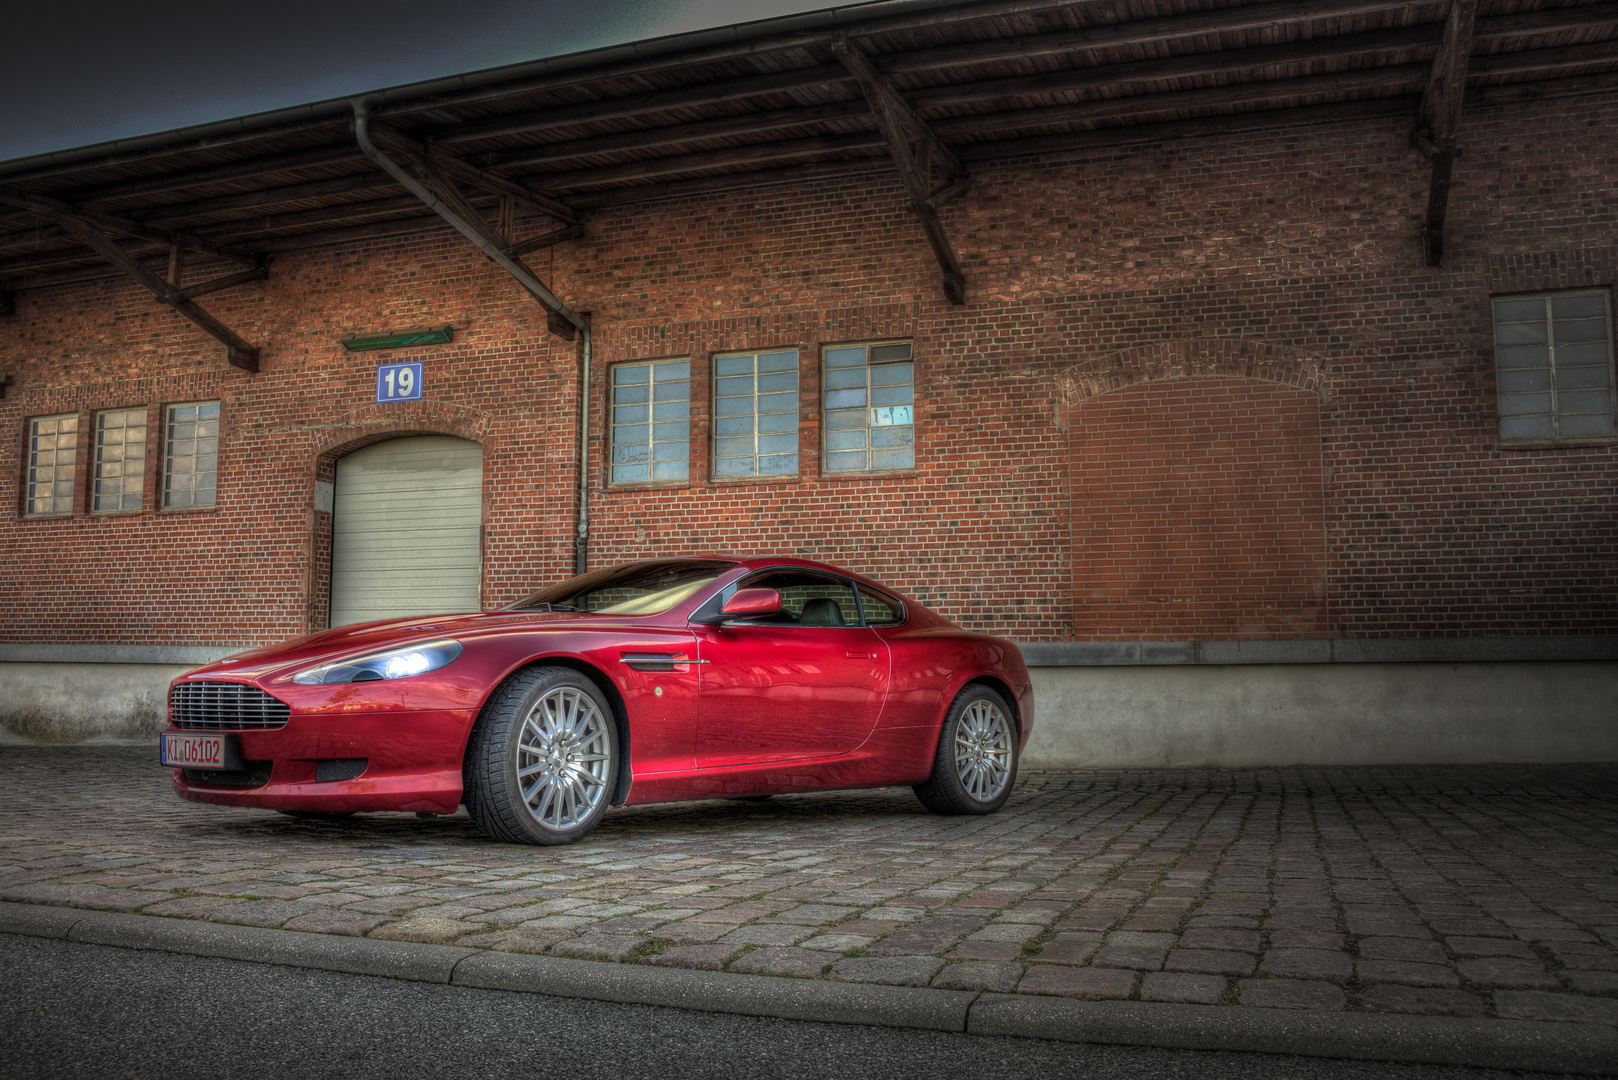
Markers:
<point>77,73</point>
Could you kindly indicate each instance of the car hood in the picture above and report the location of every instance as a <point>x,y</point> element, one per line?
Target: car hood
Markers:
<point>361,638</point>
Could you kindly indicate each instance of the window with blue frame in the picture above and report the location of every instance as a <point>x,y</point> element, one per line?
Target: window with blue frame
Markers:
<point>651,422</point>
<point>869,408</point>
<point>755,415</point>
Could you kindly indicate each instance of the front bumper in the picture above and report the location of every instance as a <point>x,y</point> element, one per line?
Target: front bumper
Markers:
<point>413,762</point>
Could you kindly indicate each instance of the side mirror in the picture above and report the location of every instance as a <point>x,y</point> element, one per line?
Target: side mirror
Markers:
<point>745,604</point>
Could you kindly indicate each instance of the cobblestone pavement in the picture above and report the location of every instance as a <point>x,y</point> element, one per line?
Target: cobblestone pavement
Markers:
<point>1462,891</point>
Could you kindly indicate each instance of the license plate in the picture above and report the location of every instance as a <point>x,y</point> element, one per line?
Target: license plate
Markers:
<point>200,751</point>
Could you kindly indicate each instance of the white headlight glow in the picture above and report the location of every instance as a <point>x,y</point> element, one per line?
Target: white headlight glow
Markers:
<point>393,664</point>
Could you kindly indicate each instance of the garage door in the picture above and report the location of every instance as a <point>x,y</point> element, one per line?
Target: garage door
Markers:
<point>406,527</point>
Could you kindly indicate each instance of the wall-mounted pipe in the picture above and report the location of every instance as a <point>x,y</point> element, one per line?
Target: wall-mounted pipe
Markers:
<point>581,540</point>
<point>525,278</point>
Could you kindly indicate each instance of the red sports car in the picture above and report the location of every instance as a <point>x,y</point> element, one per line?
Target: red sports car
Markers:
<point>658,681</point>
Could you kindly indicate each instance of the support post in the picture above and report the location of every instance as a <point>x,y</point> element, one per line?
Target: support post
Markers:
<point>1438,120</point>
<point>914,147</point>
<point>240,353</point>
<point>440,194</point>
<point>508,220</point>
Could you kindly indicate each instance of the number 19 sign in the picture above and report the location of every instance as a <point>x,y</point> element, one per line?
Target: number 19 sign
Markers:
<point>398,382</point>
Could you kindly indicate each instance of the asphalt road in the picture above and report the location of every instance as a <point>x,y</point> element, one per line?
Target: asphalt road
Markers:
<point>74,1010</point>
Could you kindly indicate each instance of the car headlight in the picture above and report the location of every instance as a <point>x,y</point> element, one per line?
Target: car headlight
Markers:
<point>393,664</point>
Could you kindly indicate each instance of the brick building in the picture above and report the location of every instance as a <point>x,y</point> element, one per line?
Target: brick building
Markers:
<point>1227,356</point>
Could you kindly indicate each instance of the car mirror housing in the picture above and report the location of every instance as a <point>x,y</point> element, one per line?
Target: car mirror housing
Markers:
<point>744,604</point>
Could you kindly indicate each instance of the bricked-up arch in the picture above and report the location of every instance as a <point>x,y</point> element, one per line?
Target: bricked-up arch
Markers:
<point>1198,504</point>
<point>1200,358</point>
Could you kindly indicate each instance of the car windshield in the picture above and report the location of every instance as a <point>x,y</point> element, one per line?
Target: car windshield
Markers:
<point>645,588</point>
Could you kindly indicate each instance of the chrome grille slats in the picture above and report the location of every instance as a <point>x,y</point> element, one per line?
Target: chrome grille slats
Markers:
<point>214,706</point>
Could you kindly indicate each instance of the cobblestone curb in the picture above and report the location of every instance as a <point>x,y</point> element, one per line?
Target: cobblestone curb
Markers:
<point>1590,1049</point>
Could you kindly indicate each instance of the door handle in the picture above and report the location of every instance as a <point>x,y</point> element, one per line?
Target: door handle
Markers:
<point>861,656</point>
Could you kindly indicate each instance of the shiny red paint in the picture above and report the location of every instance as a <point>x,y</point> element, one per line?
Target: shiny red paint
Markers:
<point>737,709</point>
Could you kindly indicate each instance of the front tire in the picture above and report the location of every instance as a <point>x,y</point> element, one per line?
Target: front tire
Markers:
<point>542,760</point>
<point>976,763</point>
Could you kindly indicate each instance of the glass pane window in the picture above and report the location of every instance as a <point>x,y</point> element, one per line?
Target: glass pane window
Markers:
<point>756,415</point>
<point>53,448</point>
<point>191,454</point>
<point>120,459</point>
<point>1553,365</point>
<point>807,599</point>
<point>870,408</point>
<point>880,609</point>
<point>651,421</point>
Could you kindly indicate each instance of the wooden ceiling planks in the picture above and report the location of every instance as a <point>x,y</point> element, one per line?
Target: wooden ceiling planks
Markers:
<point>727,110</point>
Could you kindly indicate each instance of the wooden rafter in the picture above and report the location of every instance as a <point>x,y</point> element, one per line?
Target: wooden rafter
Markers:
<point>1438,121</point>
<point>240,352</point>
<point>545,240</point>
<point>430,172</point>
<point>444,162</point>
<point>914,147</point>
<point>123,226</point>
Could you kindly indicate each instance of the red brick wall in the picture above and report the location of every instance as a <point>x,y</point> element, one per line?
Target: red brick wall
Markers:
<point>1199,513</point>
<point>1290,257</point>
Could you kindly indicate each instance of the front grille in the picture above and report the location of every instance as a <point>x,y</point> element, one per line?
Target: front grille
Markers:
<point>212,706</point>
<point>256,774</point>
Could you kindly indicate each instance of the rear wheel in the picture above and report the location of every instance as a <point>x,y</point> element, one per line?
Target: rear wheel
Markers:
<point>542,759</point>
<point>976,763</point>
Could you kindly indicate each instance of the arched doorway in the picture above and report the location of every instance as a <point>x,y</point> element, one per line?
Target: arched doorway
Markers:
<point>407,522</point>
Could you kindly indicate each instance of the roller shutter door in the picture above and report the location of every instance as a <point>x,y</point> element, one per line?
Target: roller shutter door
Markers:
<point>406,530</point>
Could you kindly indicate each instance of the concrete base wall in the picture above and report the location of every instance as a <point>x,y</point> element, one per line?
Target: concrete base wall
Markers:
<point>1099,716</point>
<point>1324,714</point>
<point>72,703</point>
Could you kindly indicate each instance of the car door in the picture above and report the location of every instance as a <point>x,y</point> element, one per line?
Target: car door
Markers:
<point>807,683</point>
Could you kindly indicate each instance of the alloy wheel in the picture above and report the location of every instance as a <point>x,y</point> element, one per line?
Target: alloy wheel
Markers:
<point>563,755</point>
<point>983,750</point>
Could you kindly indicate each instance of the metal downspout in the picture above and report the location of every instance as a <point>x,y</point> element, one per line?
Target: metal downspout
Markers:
<point>525,278</point>
<point>581,541</point>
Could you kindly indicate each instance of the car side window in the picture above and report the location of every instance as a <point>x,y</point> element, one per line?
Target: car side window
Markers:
<point>880,610</point>
<point>807,599</point>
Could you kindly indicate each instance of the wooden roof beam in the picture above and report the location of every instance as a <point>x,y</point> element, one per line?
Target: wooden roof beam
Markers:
<point>660,135</point>
<point>659,101</point>
<point>1221,20</point>
<point>122,226</point>
<point>1438,121</point>
<point>443,161</point>
<point>240,353</point>
<point>430,182</point>
<point>545,240</point>
<point>913,146</point>
<point>747,154</point>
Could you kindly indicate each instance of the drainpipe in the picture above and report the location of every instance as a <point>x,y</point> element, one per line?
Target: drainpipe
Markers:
<point>525,278</point>
<point>581,542</point>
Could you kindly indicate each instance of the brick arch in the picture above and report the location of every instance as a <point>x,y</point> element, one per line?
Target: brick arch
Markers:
<point>1198,504</point>
<point>378,423</point>
<point>365,427</point>
<point>1191,358</point>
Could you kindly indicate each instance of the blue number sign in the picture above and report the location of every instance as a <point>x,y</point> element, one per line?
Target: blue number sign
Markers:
<point>399,382</point>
